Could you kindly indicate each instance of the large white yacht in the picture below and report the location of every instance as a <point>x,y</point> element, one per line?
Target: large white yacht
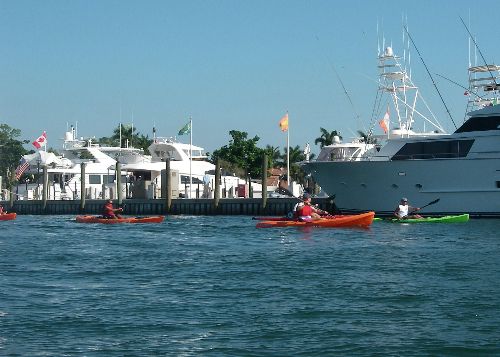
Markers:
<point>195,174</point>
<point>461,169</point>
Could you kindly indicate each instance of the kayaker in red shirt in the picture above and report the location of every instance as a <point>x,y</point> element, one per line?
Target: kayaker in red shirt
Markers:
<point>109,212</point>
<point>305,211</point>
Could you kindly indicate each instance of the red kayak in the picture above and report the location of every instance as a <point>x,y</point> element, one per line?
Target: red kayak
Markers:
<point>100,219</point>
<point>275,218</point>
<point>356,220</point>
<point>8,216</point>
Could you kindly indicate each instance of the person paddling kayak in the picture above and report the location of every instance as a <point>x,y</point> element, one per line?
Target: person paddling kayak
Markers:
<point>305,211</point>
<point>2,210</point>
<point>404,210</point>
<point>109,212</point>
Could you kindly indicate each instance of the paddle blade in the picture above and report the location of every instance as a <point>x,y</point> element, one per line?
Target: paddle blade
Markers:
<point>284,191</point>
<point>431,203</point>
<point>435,201</point>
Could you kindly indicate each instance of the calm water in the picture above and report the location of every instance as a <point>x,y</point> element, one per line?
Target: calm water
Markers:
<point>216,286</point>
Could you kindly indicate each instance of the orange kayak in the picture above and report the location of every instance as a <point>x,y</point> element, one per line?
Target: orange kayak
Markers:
<point>8,216</point>
<point>99,219</point>
<point>356,220</point>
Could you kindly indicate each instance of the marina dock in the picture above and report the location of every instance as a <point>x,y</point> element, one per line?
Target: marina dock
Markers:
<point>229,206</point>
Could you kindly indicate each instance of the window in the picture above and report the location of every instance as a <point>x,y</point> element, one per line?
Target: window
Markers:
<point>434,150</point>
<point>185,180</point>
<point>95,179</point>
<point>480,124</point>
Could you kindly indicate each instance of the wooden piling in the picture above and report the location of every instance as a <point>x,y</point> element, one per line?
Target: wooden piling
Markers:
<point>168,187</point>
<point>264,182</point>
<point>82,187</point>
<point>11,193</point>
<point>118,178</point>
<point>45,187</point>
<point>217,185</point>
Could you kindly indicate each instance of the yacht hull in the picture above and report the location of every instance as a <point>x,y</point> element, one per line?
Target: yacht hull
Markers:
<point>462,185</point>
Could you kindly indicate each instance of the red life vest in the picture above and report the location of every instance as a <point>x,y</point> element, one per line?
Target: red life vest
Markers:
<point>108,210</point>
<point>306,210</point>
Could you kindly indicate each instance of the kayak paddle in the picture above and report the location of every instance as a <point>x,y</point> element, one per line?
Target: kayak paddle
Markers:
<point>431,203</point>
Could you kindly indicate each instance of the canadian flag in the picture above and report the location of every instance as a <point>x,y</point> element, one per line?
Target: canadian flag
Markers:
<point>384,122</point>
<point>41,140</point>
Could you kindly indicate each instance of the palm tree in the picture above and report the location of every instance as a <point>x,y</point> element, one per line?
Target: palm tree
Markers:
<point>367,138</point>
<point>273,152</point>
<point>326,138</point>
<point>296,155</point>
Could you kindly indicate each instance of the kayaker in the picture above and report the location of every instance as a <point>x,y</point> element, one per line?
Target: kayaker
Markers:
<point>109,212</point>
<point>304,211</point>
<point>2,210</point>
<point>404,210</point>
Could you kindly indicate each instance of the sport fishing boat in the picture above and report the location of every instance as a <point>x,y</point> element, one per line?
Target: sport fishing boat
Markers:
<point>461,169</point>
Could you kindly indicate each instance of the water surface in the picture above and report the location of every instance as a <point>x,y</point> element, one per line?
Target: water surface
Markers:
<point>216,286</point>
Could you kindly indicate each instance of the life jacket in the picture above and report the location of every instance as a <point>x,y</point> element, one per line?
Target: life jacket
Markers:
<point>108,210</point>
<point>305,210</point>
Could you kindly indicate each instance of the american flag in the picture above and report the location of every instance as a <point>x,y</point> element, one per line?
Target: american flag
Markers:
<point>23,166</point>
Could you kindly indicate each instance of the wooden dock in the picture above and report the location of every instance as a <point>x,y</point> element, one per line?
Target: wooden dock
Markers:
<point>229,206</point>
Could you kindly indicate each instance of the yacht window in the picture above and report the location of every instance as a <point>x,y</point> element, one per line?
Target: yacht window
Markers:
<point>108,178</point>
<point>434,150</point>
<point>480,124</point>
<point>185,180</point>
<point>95,179</point>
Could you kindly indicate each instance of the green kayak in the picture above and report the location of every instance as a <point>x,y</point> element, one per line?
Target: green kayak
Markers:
<point>443,219</point>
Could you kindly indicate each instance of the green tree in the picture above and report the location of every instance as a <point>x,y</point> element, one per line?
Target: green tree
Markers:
<point>296,155</point>
<point>367,138</point>
<point>11,150</point>
<point>326,138</point>
<point>274,155</point>
<point>129,135</point>
<point>241,153</point>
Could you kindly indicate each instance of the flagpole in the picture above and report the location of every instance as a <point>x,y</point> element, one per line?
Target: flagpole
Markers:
<point>190,155</point>
<point>288,153</point>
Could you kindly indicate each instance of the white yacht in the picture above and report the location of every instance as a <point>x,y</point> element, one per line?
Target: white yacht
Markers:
<point>64,172</point>
<point>395,86</point>
<point>189,163</point>
<point>141,175</point>
<point>461,169</point>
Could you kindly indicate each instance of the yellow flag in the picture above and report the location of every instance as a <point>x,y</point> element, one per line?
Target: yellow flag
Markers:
<point>284,123</point>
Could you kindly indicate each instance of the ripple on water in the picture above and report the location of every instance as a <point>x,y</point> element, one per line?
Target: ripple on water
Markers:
<point>218,286</point>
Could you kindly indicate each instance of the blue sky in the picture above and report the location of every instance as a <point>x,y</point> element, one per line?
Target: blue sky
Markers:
<point>229,64</point>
